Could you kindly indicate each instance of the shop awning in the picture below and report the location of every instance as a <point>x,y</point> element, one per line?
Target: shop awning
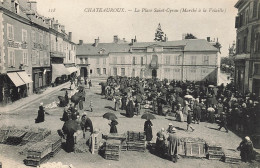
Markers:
<point>25,77</point>
<point>72,69</point>
<point>241,56</point>
<point>256,76</point>
<point>15,79</point>
<point>57,55</point>
<point>58,70</point>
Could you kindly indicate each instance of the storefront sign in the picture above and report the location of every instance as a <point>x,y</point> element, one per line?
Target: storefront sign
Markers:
<point>39,46</point>
<point>19,45</point>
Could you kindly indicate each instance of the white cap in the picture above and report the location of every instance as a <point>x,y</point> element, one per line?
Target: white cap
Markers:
<point>170,123</point>
<point>41,103</point>
<point>247,138</point>
<point>162,129</point>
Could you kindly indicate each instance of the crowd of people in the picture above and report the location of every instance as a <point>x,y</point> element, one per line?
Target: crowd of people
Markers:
<point>200,102</point>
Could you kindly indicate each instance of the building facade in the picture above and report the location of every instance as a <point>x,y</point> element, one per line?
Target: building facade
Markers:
<point>25,50</point>
<point>247,57</point>
<point>193,60</point>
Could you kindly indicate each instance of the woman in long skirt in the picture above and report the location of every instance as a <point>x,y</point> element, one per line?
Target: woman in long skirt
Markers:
<point>148,130</point>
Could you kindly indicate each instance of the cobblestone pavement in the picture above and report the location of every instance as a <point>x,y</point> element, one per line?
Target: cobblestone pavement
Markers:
<point>26,116</point>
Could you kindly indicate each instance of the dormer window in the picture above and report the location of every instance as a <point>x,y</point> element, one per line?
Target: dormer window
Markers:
<point>16,7</point>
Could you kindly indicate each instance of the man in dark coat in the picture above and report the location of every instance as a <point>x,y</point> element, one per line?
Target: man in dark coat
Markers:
<point>223,121</point>
<point>246,150</point>
<point>174,142</point>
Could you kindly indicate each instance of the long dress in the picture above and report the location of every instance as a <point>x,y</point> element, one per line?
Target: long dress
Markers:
<point>130,109</point>
<point>113,128</point>
<point>41,115</point>
<point>180,117</point>
<point>148,130</point>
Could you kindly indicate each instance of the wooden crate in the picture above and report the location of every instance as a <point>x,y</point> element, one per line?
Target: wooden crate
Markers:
<point>35,163</point>
<point>214,148</point>
<point>181,149</point>
<point>39,150</point>
<point>195,149</point>
<point>232,159</point>
<point>112,157</point>
<point>215,155</point>
<point>3,135</point>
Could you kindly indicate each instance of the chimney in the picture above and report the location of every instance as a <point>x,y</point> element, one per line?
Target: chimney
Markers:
<point>96,42</point>
<point>135,39</point>
<point>70,36</point>
<point>80,42</point>
<point>32,5</point>
<point>62,28</point>
<point>132,41</point>
<point>115,38</point>
<point>208,39</point>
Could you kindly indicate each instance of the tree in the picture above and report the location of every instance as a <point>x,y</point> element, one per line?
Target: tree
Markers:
<point>159,35</point>
<point>190,36</point>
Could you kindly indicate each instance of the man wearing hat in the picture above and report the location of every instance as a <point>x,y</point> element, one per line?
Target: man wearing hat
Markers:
<point>174,142</point>
<point>223,121</point>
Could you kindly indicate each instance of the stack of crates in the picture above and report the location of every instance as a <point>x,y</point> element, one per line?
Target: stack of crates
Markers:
<point>15,137</point>
<point>112,149</point>
<point>194,147</point>
<point>55,141</point>
<point>136,141</point>
<point>38,153</point>
<point>96,138</point>
<point>215,152</point>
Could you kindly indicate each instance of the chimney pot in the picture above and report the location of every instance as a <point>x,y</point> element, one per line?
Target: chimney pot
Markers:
<point>80,42</point>
<point>70,36</point>
<point>96,42</point>
<point>208,39</point>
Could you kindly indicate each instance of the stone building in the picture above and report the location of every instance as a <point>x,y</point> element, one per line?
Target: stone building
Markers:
<point>194,59</point>
<point>247,57</point>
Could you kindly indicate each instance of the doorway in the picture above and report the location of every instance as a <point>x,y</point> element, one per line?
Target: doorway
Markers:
<point>154,73</point>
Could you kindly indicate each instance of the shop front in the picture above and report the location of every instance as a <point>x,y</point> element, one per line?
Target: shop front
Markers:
<point>14,86</point>
<point>41,78</point>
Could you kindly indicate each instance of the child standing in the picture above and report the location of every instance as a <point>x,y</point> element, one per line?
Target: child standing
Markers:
<point>91,106</point>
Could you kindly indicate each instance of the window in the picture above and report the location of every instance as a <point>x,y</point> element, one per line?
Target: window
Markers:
<point>167,60</point>
<point>33,57</point>
<point>98,71</point>
<point>24,35</point>
<point>104,71</point>
<point>142,60</point>
<point>193,60</point>
<point>10,32</point>
<point>192,70</point>
<point>257,43</point>
<point>115,71</point>
<point>255,8</point>
<point>33,36</point>
<point>104,61</point>
<point>245,44</point>
<point>134,60</point>
<point>90,71</point>
<point>81,60</point>
<point>122,71</point>
<point>177,70</point>
<point>16,7</point>
<point>11,58</point>
<point>86,60</point>
<point>238,46</point>
<point>167,70</point>
<point>177,59</point>
<point>52,45</point>
<point>114,60</point>
<point>25,58</point>
<point>205,60</point>
<point>40,39</point>
<point>122,60</point>
<point>97,60</point>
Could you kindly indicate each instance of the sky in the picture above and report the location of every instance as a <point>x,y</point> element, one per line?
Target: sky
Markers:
<point>202,18</point>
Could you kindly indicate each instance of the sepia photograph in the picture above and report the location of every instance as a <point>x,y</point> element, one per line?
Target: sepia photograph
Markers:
<point>130,83</point>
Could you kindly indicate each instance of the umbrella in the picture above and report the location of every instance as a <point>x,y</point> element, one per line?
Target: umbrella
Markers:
<point>188,96</point>
<point>75,99</point>
<point>70,127</point>
<point>148,116</point>
<point>109,116</point>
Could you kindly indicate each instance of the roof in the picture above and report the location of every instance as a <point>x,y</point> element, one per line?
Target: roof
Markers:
<point>90,49</point>
<point>188,44</point>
